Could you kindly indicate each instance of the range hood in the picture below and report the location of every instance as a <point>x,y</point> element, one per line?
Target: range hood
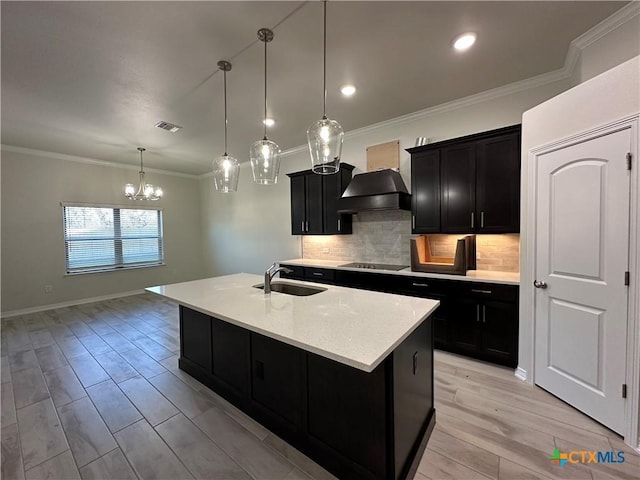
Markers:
<point>379,190</point>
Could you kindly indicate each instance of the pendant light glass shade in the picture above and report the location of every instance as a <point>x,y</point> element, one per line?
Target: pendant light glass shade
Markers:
<point>226,172</point>
<point>144,191</point>
<point>265,154</point>
<point>325,146</point>
<point>265,161</point>
<point>226,169</point>
<point>325,136</point>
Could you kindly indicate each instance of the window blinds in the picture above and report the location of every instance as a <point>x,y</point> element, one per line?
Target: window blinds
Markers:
<point>110,238</point>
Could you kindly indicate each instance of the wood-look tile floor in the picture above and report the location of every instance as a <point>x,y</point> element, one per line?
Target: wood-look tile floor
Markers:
<point>94,392</point>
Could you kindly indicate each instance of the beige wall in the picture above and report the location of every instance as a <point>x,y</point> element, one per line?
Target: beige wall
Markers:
<point>32,239</point>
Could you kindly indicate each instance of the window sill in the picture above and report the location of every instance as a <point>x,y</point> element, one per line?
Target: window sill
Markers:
<point>111,269</point>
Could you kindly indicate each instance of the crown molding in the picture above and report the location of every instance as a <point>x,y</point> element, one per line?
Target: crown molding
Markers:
<point>618,18</point>
<point>88,161</point>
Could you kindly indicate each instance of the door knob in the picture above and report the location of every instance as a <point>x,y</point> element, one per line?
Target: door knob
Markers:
<point>538,284</point>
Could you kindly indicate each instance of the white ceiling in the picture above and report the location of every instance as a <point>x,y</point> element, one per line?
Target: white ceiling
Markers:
<point>92,78</point>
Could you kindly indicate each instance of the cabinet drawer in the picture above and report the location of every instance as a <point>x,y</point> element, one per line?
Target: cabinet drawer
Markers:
<point>314,274</point>
<point>297,273</point>
<point>488,291</point>
<point>423,287</point>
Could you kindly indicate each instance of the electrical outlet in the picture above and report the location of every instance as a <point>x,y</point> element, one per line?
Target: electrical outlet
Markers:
<point>48,288</point>
<point>325,250</point>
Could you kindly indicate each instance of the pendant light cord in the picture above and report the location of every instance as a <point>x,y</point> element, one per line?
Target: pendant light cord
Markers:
<point>264,120</point>
<point>225,111</point>
<point>324,67</point>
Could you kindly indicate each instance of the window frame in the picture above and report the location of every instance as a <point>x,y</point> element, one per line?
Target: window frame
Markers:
<point>117,239</point>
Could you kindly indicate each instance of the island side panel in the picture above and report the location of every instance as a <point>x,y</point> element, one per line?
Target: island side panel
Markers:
<point>347,417</point>
<point>413,398</point>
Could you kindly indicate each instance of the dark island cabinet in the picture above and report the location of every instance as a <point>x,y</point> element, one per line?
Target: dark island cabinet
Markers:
<point>277,381</point>
<point>467,185</point>
<point>314,202</point>
<point>358,425</point>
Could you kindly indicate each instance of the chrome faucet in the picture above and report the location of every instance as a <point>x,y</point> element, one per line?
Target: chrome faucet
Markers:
<point>270,273</point>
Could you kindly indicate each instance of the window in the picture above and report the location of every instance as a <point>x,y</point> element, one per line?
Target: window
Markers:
<point>101,238</point>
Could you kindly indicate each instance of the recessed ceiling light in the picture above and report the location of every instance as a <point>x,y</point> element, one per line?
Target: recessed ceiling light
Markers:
<point>348,90</point>
<point>269,122</point>
<point>464,41</point>
<point>169,127</point>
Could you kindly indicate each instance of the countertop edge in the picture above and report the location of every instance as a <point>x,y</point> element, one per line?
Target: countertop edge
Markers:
<point>335,264</point>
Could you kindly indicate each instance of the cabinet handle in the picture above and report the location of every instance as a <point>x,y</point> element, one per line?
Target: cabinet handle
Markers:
<point>307,226</point>
<point>413,222</point>
<point>481,291</point>
<point>473,219</point>
<point>415,363</point>
<point>318,274</point>
<point>259,370</point>
<point>484,313</point>
<point>338,224</point>
<point>481,219</point>
<point>477,313</point>
<point>302,225</point>
<point>420,284</point>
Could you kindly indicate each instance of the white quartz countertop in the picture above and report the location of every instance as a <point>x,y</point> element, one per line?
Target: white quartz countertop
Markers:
<point>489,276</point>
<point>355,327</point>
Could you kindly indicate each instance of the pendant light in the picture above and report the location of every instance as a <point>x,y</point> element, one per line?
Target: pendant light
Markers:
<point>226,169</point>
<point>265,154</point>
<point>145,191</point>
<point>326,135</point>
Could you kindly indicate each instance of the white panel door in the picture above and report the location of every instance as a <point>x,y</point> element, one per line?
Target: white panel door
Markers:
<point>582,245</point>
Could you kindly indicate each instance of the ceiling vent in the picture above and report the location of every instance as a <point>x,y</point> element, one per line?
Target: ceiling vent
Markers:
<point>169,127</point>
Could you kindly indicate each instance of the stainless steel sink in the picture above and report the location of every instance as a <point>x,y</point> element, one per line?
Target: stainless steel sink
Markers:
<point>292,288</point>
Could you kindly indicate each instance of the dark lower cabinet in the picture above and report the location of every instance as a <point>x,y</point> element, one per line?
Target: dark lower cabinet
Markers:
<point>230,350</point>
<point>195,338</point>
<point>358,425</point>
<point>499,329</point>
<point>277,381</point>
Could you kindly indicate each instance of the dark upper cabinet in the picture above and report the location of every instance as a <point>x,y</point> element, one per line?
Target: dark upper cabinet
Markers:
<point>468,185</point>
<point>458,188</point>
<point>498,184</point>
<point>314,202</point>
<point>425,192</point>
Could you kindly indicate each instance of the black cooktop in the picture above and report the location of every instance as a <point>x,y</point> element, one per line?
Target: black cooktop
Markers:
<point>374,266</point>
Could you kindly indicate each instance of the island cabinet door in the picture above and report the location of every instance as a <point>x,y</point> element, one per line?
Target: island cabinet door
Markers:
<point>413,396</point>
<point>347,412</point>
<point>277,383</point>
<point>230,359</point>
<point>195,338</point>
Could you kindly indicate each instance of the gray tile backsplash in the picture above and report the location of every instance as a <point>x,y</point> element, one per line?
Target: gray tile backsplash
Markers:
<point>383,237</point>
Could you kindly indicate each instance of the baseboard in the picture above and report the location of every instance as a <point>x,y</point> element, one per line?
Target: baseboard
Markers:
<point>71,303</point>
<point>521,373</point>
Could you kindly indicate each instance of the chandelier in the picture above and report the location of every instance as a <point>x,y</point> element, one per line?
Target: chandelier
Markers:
<point>145,191</point>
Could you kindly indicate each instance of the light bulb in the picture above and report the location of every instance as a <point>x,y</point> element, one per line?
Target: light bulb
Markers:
<point>129,189</point>
<point>464,41</point>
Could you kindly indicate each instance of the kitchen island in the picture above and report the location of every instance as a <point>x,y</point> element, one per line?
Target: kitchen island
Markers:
<point>345,375</point>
